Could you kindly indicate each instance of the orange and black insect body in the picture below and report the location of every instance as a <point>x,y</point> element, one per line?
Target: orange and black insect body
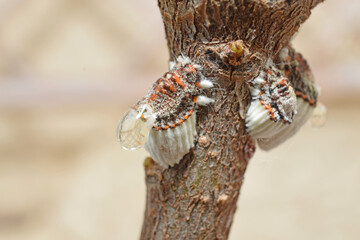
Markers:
<point>275,94</point>
<point>297,70</point>
<point>164,121</point>
<point>284,96</point>
<point>173,97</point>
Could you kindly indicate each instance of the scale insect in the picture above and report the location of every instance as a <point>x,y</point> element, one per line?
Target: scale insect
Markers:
<point>164,121</point>
<point>273,105</point>
<point>284,97</point>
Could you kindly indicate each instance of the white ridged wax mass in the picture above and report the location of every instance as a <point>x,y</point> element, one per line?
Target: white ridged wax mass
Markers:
<point>304,111</point>
<point>167,147</point>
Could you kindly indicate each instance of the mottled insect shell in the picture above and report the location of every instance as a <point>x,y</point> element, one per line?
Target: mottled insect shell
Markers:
<point>260,121</point>
<point>168,110</point>
<point>273,105</point>
<point>295,68</point>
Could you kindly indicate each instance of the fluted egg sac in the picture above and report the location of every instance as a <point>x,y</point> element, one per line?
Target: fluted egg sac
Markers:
<point>304,111</point>
<point>167,147</point>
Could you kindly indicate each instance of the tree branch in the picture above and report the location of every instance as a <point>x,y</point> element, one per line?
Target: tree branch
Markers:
<point>196,199</point>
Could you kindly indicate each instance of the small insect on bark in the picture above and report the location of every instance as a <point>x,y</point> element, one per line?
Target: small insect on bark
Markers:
<point>284,96</point>
<point>164,121</point>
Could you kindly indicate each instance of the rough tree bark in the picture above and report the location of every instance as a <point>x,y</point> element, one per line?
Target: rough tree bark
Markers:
<point>196,199</point>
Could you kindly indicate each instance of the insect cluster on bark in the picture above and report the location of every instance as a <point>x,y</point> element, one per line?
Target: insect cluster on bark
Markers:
<point>283,95</point>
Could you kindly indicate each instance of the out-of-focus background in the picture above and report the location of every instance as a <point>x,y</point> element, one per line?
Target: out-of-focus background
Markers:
<point>70,68</point>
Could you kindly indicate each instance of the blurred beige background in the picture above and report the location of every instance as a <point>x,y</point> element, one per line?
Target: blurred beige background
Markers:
<point>70,68</point>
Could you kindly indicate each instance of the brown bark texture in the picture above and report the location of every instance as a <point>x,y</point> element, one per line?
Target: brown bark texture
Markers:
<point>196,199</point>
